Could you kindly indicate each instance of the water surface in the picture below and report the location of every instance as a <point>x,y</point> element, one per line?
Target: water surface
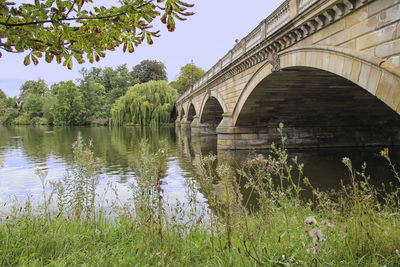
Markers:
<point>27,148</point>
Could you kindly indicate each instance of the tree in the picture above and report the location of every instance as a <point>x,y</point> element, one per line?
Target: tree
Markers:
<point>149,70</point>
<point>184,81</point>
<point>38,87</point>
<point>66,29</point>
<point>34,105</point>
<point>144,104</point>
<point>3,95</point>
<point>115,82</point>
<point>69,108</point>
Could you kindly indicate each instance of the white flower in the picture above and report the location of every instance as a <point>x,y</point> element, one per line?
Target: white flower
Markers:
<point>316,235</point>
<point>310,220</point>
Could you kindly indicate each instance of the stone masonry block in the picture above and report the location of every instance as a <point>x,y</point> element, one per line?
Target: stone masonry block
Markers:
<point>356,17</point>
<point>364,27</point>
<point>393,96</point>
<point>378,6</point>
<point>332,63</point>
<point>369,51</point>
<point>398,30</point>
<point>395,60</point>
<point>389,16</point>
<point>325,60</point>
<point>318,60</point>
<point>364,75</point>
<point>355,70</point>
<point>373,80</point>
<point>347,67</point>
<point>349,45</point>
<point>337,38</point>
<point>308,60</point>
<point>377,37</point>
<point>388,49</point>
<point>385,83</point>
<point>339,65</point>
<point>328,31</point>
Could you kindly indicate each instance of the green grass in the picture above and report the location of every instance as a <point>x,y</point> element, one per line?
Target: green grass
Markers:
<point>357,226</point>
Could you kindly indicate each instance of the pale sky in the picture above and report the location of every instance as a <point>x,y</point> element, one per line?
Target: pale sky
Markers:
<point>205,37</point>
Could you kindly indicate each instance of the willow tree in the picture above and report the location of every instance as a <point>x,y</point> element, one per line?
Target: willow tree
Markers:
<point>148,103</point>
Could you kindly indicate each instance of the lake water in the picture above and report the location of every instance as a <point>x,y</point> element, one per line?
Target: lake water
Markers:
<point>27,148</point>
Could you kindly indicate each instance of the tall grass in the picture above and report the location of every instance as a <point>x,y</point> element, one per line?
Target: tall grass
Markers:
<point>355,226</point>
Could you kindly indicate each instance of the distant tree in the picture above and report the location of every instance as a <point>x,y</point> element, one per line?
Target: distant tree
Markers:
<point>144,104</point>
<point>149,70</point>
<point>33,105</point>
<point>93,94</point>
<point>69,108</point>
<point>115,82</point>
<point>184,81</point>
<point>38,87</point>
<point>67,30</point>
<point>49,101</point>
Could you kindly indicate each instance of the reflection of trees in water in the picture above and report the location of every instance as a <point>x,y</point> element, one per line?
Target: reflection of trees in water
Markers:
<point>118,147</point>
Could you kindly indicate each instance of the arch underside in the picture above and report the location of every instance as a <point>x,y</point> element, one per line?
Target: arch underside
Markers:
<point>318,108</point>
<point>212,112</point>
<point>191,113</point>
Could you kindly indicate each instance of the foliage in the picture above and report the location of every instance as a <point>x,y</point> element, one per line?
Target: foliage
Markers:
<point>149,70</point>
<point>34,105</point>
<point>65,29</point>
<point>115,82</point>
<point>38,87</point>
<point>8,115</point>
<point>3,95</point>
<point>94,95</point>
<point>76,192</point>
<point>144,104</point>
<point>22,119</point>
<point>69,107</point>
<point>184,81</point>
<point>48,102</point>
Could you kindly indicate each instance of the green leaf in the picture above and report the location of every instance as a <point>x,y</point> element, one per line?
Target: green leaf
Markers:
<point>34,60</point>
<point>27,60</point>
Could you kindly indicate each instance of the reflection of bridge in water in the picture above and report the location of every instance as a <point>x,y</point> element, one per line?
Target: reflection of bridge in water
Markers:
<point>323,166</point>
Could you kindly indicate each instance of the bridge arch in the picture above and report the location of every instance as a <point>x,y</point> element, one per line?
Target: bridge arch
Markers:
<point>373,74</point>
<point>212,110</point>
<point>191,112</point>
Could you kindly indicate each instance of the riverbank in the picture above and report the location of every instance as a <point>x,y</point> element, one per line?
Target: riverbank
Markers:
<point>355,226</point>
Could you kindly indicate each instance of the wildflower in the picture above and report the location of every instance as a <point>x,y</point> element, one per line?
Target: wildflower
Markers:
<point>346,161</point>
<point>310,220</point>
<point>312,250</point>
<point>398,253</point>
<point>316,235</point>
<point>385,152</point>
<point>283,257</point>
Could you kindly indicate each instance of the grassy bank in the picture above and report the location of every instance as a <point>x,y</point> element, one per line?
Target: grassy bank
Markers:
<point>356,226</point>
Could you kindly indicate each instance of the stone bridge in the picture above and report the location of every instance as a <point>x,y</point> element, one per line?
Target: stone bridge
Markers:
<point>329,70</point>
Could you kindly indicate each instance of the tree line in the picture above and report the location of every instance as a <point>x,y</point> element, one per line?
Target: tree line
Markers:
<point>101,96</point>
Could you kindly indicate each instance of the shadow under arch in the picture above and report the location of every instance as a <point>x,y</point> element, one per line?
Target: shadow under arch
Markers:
<point>318,106</point>
<point>191,112</point>
<point>212,112</point>
<point>373,74</point>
